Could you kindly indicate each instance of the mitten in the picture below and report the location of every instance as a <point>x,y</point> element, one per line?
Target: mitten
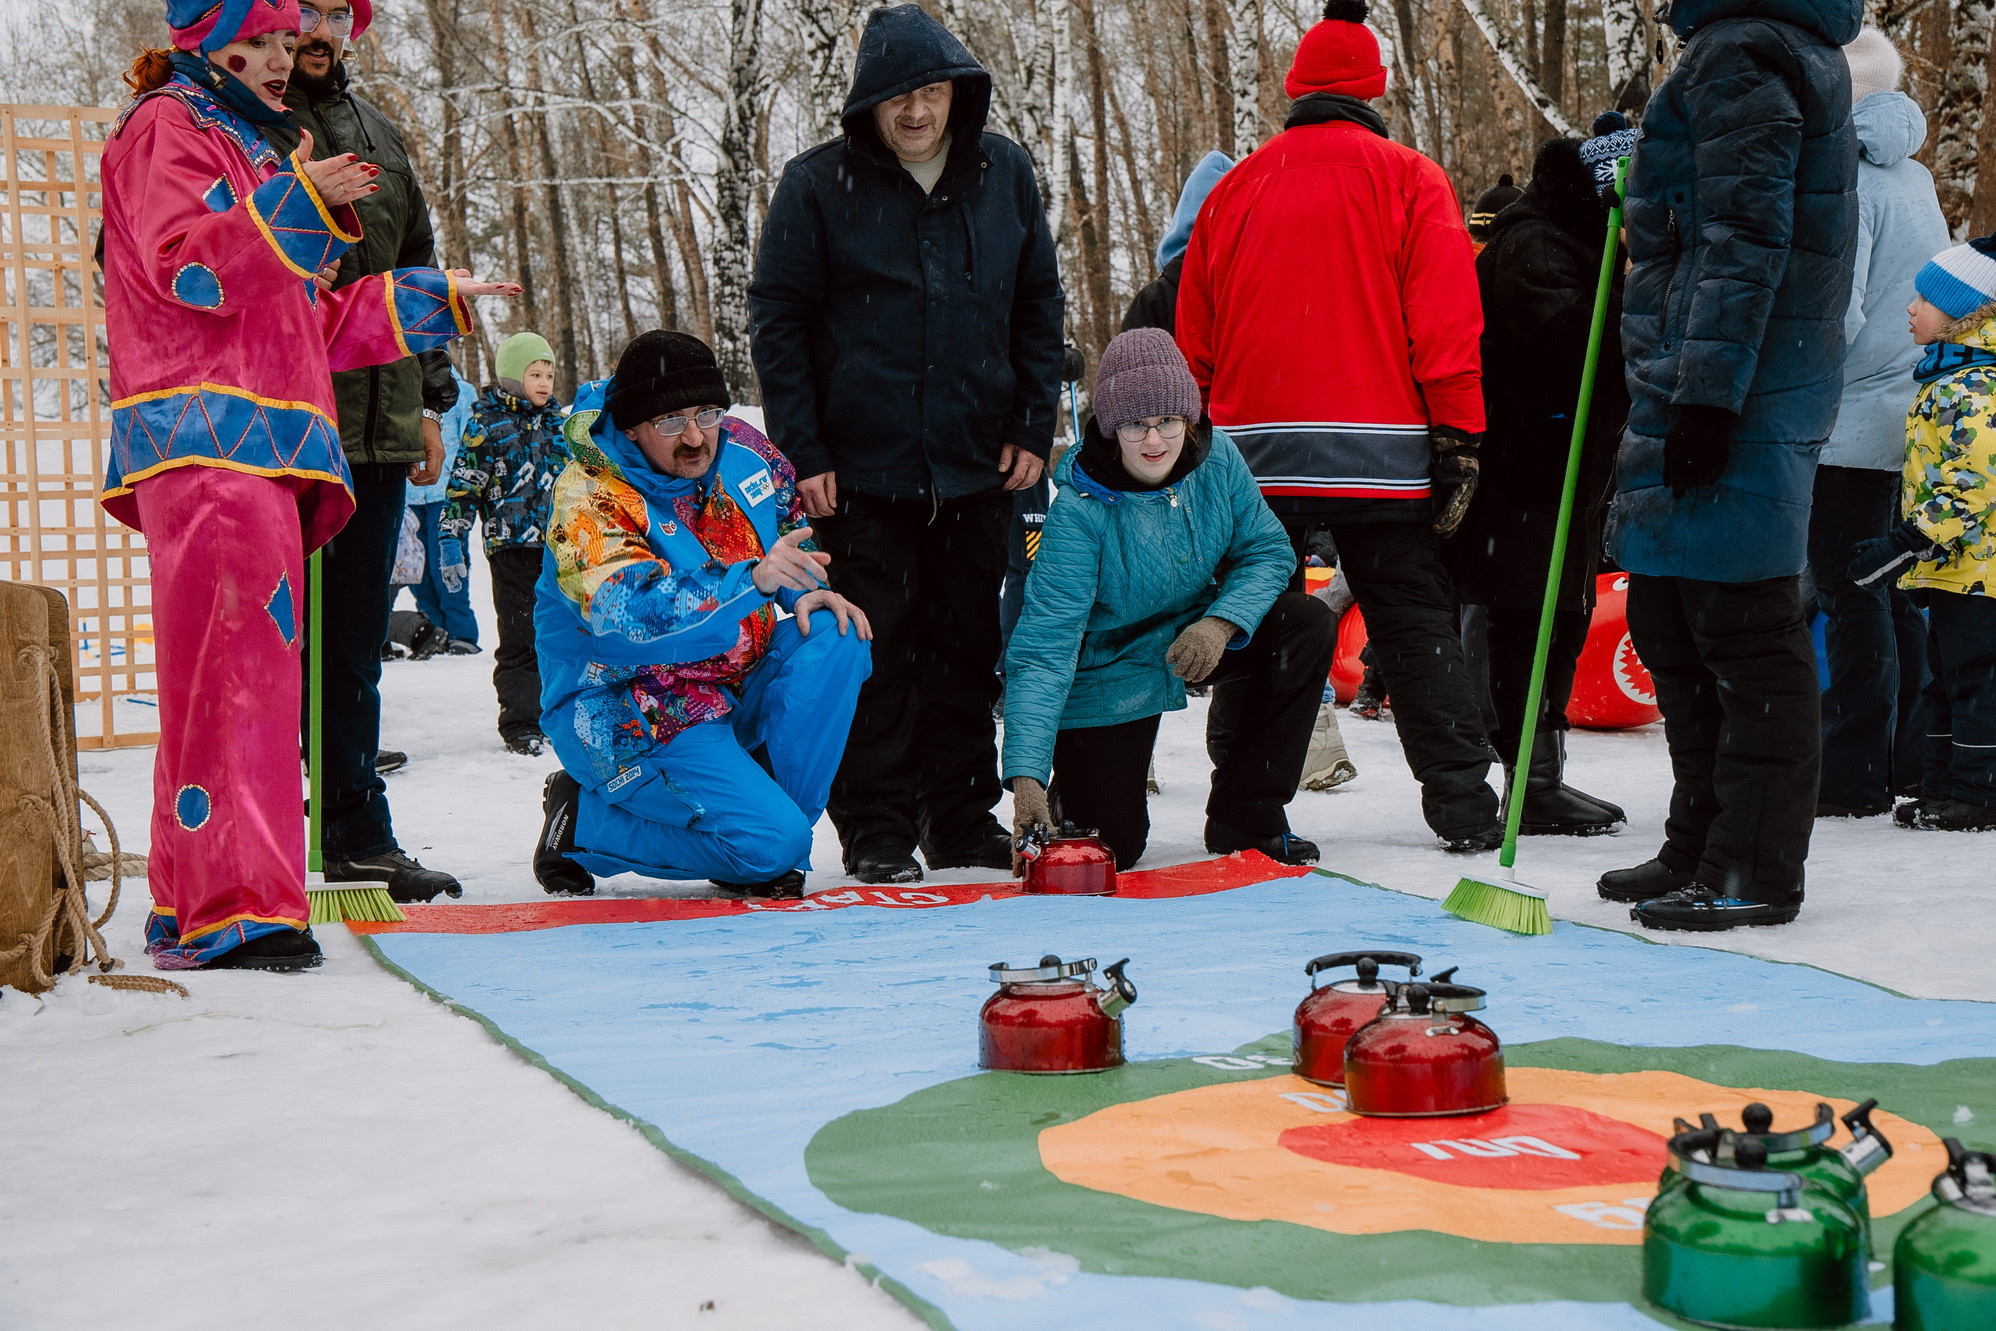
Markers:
<point>1696,450</point>
<point>1889,554</point>
<point>450,562</point>
<point>1196,650</point>
<point>1029,810</point>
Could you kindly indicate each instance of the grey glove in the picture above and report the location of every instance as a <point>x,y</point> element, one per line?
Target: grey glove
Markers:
<point>1196,650</point>
<point>1029,810</point>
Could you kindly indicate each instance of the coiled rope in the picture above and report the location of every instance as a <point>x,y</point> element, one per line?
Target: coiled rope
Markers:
<point>67,928</point>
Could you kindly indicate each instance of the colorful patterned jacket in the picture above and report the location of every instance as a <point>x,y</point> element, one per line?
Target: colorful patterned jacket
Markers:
<point>222,350</point>
<point>505,471</point>
<point>646,616</point>
<point>1949,483</point>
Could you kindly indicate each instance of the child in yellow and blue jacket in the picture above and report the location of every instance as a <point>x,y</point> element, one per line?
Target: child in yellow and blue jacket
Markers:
<point>1949,533</point>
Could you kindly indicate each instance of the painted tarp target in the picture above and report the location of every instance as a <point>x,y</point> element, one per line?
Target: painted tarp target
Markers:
<point>821,1064</point>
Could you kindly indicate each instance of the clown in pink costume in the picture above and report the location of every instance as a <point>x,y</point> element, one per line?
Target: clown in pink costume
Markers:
<point>225,451</point>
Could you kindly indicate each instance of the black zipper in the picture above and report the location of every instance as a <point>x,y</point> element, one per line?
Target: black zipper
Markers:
<point>1676,257</point>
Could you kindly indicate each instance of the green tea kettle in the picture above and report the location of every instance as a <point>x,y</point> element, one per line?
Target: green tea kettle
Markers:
<point>1837,1170</point>
<point>1944,1266</point>
<point>1736,1244</point>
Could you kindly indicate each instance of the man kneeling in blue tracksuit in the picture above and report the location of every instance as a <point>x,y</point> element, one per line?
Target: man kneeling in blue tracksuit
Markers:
<point>697,731</point>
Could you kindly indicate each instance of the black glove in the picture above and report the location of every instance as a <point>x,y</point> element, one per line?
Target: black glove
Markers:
<point>1888,554</point>
<point>1452,472</point>
<point>1072,367</point>
<point>1697,448</point>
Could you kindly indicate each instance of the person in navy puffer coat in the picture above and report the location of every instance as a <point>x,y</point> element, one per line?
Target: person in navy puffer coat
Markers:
<point>1742,221</point>
<point>1160,565</point>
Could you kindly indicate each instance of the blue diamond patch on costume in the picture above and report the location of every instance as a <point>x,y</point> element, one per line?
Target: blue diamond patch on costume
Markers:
<point>221,195</point>
<point>282,612</point>
<point>197,285</point>
<point>192,807</point>
<point>421,307</point>
<point>296,224</point>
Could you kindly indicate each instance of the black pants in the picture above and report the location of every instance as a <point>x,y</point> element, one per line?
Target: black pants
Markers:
<point>921,762</point>
<point>1735,674</point>
<point>1874,732</point>
<point>1395,570</point>
<point>516,672</point>
<point>1512,633</point>
<point>354,623</point>
<point>1265,699</point>
<point>1961,700</point>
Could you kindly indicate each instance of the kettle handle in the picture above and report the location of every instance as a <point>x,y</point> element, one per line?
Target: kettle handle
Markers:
<point>1122,991</point>
<point>1868,1147</point>
<point>1332,960</point>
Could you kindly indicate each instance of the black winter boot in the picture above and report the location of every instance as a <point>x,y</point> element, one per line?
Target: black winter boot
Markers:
<point>1953,815</point>
<point>408,881</point>
<point>1283,847</point>
<point>783,887</point>
<point>1553,808</point>
<point>558,875</point>
<point>1646,882</point>
<point>1704,910</point>
<point>885,864</point>
<point>284,950</point>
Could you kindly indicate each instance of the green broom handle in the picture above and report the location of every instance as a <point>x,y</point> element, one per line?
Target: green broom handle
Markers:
<point>316,743</point>
<point>1542,649</point>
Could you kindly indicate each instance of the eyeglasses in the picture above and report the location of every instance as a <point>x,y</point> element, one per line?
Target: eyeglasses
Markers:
<point>1168,428</point>
<point>669,426</point>
<point>340,25</point>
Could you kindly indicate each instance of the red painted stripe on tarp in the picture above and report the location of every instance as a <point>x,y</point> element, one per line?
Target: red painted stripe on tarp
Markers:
<point>1178,880</point>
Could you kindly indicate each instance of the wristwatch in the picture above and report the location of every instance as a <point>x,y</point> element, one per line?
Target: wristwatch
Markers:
<point>429,415</point>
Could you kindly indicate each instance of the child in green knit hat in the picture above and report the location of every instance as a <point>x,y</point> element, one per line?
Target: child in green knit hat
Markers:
<point>504,475</point>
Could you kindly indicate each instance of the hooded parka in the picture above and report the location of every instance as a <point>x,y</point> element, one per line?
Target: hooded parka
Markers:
<point>902,338</point>
<point>1538,274</point>
<point>1899,228</point>
<point>1741,223</point>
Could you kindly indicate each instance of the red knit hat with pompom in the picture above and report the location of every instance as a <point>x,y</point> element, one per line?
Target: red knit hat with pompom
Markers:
<point>1338,55</point>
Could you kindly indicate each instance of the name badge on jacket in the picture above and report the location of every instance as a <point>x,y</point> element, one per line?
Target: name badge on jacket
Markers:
<point>757,487</point>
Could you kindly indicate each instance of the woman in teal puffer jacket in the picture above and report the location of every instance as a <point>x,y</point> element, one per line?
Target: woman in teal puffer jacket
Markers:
<point>1160,565</point>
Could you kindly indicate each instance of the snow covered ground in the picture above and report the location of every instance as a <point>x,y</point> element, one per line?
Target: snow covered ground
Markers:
<point>336,1150</point>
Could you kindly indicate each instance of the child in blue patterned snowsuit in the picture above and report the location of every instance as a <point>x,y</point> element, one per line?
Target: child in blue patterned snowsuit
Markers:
<point>504,476</point>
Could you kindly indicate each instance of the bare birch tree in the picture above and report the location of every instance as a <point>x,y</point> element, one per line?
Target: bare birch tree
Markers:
<point>734,191</point>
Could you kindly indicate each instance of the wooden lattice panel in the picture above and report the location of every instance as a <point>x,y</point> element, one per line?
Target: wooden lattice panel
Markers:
<point>55,417</point>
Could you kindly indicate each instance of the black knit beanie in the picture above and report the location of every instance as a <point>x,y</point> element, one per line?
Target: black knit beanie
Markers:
<point>662,372</point>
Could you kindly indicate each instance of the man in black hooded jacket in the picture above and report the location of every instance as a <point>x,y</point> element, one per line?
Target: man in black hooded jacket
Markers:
<point>905,318</point>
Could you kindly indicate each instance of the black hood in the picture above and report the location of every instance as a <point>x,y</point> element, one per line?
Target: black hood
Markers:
<point>1561,192</point>
<point>1102,457</point>
<point>903,49</point>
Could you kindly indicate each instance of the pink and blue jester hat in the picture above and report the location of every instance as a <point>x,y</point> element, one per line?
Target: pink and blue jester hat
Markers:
<point>209,25</point>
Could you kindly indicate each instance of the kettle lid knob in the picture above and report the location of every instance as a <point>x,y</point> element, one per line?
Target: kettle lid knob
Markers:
<point>1749,1153</point>
<point>1757,1118</point>
<point>1049,960</point>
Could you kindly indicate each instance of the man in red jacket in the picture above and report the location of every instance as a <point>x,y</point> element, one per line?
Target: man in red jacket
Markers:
<point>1328,308</point>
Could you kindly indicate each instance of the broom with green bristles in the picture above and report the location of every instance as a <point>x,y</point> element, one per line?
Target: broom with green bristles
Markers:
<point>332,903</point>
<point>1506,903</point>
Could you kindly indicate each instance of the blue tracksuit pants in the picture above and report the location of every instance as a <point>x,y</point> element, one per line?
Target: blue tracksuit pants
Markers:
<point>703,806</point>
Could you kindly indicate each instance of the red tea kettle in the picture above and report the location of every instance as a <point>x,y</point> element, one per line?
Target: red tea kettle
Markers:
<point>1423,1056</point>
<point>1070,862</point>
<point>1051,1018</point>
<point>1327,1017</point>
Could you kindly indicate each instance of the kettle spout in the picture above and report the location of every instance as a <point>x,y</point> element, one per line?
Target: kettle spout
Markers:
<point>1867,1148</point>
<point>1120,993</point>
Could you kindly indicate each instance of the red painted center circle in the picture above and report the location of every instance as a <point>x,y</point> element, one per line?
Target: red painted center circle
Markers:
<point>1519,1146</point>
